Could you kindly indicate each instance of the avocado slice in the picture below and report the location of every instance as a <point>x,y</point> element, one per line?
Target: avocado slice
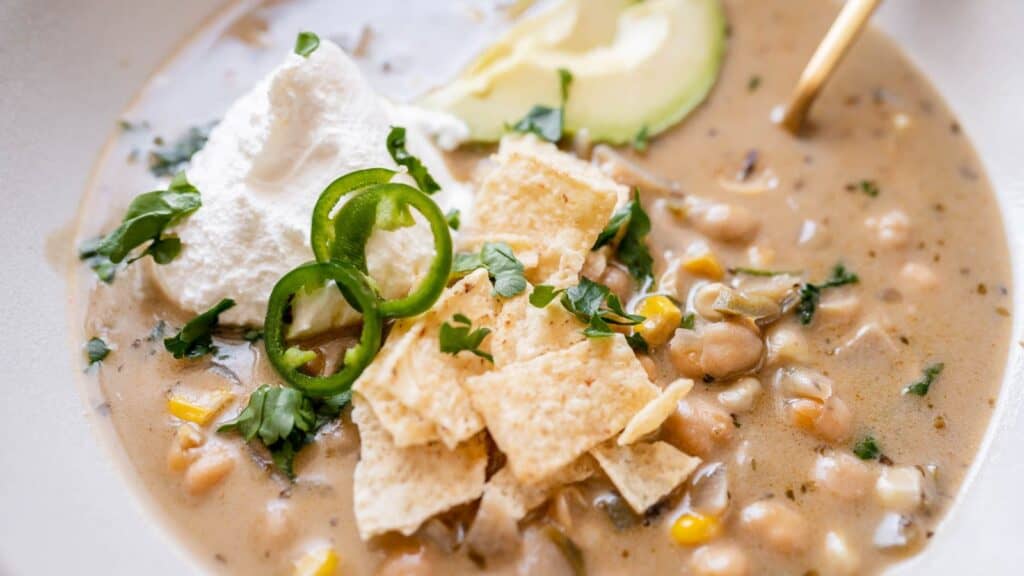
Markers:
<point>634,65</point>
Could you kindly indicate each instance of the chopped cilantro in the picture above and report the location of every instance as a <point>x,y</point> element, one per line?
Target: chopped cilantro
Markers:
<point>505,270</point>
<point>928,377</point>
<point>284,420</point>
<point>810,294</point>
<point>454,218</point>
<point>591,303</point>
<point>306,43</point>
<point>195,338</point>
<point>172,158</point>
<point>867,448</point>
<point>867,187</point>
<point>401,156</point>
<point>460,336</point>
<point>637,342</point>
<point>641,139</point>
<point>754,83</point>
<point>688,322</point>
<point>761,272</point>
<point>564,82</point>
<point>88,252</point>
<point>632,248</point>
<point>544,121</point>
<point>96,350</point>
<point>542,295</point>
<point>145,220</point>
<point>252,335</point>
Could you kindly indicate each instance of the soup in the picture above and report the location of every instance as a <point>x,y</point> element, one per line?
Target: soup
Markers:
<point>826,319</point>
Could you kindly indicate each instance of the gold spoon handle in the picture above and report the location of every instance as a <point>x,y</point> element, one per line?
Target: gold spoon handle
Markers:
<point>830,52</point>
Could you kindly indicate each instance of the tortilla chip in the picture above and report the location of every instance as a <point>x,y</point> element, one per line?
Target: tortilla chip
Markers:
<point>644,473</point>
<point>397,489</point>
<point>547,412</point>
<point>522,332</point>
<point>654,414</point>
<point>407,428</point>
<point>495,530</point>
<point>412,369</point>
<point>521,498</point>
<point>555,203</point>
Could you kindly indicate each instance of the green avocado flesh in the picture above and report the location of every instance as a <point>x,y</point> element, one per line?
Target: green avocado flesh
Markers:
<point>635,65</point>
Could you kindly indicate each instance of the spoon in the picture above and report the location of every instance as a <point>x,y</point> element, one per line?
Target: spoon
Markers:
<point>826,58</point>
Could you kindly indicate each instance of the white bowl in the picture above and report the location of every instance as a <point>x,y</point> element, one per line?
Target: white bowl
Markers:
<point>67,70</point>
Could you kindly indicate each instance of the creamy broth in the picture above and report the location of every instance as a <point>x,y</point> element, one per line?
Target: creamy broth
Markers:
<point>929,250</point>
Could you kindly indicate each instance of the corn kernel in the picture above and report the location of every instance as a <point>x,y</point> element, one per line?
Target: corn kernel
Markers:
<point>200,410</point>
<point>692,529</point>
<point>320,562</point>
<point>705,265</point>
<point>661,318</point>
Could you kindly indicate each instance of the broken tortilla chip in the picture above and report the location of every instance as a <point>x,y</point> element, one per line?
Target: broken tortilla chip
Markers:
<point>397,489</point>
<point>522,332</point>
<point>554,203</point>
<point>654,414</point>
<point>546,412</point>
<point>412,369</point>
<point>495,530</point>
<point>644,473</point>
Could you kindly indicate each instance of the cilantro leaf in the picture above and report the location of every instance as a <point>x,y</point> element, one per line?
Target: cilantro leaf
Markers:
<point>564,83</point>
<point>284,420</point>
<point>688,321</point>
<point>542,295</point>
<point>252,335</point>
<point>810,294</point>
<point>145,220</point>
<point>924,384</point>
<point>632,248</point>
<point>195,338</point>
<point>466,262</point>
<point>641,139</point>
<point>306,43</point>
<point>611,230</point>
<point>96,350</point>
<point>170,159</point>
<point>505,270</point>
<point>454,218</point>
<point>547,122</point>
<point>544,121</point>
<point>163,250</point>
<point>460,336</point>
<point>867,448</point>
<point>88,252</point>
<point>637,342</point>
<point>597,307</point>
<point>401,156</point>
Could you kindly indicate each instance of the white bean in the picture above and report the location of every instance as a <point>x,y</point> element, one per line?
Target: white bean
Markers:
<point>684,351</point>
<point>777,524</point>
<point>840,559</point>
<point>729,348</point>
<point>900,488</point>
<point>741,395</point>
<point>842,474</point>
<point>698,427</point>
<point>719,560</point>
<point>212,466</point>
